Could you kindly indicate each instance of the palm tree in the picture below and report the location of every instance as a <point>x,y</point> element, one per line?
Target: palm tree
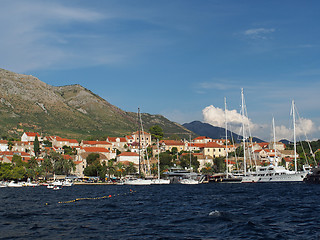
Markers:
<point>110,168</point>
<point>131,169</point>
<point>120,169</point>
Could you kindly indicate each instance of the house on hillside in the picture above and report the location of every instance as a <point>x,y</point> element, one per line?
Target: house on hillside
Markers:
<point>129,156</point>
<point>30,136</point>
<point>103,144</point>
<point>118,143</point>
<point>202,139</point>
<point>21,146</point>
<point>145,138</point>
<point>214,150</point>
<point>167,145</point>
<point>4,145</point>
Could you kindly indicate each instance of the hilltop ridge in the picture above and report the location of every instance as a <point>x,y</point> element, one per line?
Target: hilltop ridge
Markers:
<point>28,104</point>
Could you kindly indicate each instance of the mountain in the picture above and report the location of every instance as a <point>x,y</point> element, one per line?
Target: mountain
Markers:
<point>205,129</point>
<point>28,104</point>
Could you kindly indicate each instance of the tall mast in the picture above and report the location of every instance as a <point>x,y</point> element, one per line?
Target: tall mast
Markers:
<point>139,142</point>
<point>243,135</point>
<point>226,128</point>
<point>274,141</point>
<point>158,159</point>
<point>293,110</point>
<point>190,151</point>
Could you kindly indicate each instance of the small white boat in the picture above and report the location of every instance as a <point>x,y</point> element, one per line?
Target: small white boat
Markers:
<point>3,184</point>
<point>160,181</point>
<point>137,181</point>
<point>14,184</point>
<point>189,181</point>
<point>67,183</point>
<point>50,186</point>
<point>56,187</point>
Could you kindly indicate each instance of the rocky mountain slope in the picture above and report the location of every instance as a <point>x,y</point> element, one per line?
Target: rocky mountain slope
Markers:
<point>28,104</point>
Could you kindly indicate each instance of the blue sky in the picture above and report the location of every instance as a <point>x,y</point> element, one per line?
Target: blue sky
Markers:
<point>175,58</point>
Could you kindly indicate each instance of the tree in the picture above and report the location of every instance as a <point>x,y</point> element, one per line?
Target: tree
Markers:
<point>219,164</point>
<point>92,157</point>
<point>46,166</point>
<point>131,169</point>
<point>165,159</point>
<point>185,162</point>
<point>207,169</point>
<point>110,168</point>
<point>156,132</point>
<point>36,146</point>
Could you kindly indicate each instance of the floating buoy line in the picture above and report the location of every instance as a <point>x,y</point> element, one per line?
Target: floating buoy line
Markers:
<point>95,198</point>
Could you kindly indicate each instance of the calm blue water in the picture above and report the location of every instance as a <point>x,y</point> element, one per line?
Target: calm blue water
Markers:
<point>207,211</point>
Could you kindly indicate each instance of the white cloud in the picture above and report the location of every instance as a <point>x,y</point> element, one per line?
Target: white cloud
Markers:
<point>304,127</point>
<point>258,33</point>
<point>216,117</point>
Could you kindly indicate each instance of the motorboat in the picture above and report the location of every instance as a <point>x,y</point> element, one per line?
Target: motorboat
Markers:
<point>3,184</point>
<point>137,181</point>
<point>160,181</point>
<point>56,187</point>
<point>67,183</point>
<point>14,184</point>
<point>189,181</point>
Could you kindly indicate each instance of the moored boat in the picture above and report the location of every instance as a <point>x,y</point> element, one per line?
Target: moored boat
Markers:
<point>137,181</point>
<point>313,176</point>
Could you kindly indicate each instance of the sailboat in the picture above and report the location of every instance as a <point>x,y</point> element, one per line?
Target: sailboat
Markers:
<point>275,173</point>
<point>138,181</point>
<point>159,180</point>
<point>189,180</point>
<point>229,176</point>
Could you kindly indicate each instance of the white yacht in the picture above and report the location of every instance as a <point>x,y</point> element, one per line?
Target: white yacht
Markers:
<point>273,173</point>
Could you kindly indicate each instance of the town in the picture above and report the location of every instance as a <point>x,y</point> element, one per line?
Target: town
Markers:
<point>43,158</point>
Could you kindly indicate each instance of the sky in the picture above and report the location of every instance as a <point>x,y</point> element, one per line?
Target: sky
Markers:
<point>177,58</point>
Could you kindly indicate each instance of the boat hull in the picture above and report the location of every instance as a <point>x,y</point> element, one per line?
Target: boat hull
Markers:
<point>296,177</point>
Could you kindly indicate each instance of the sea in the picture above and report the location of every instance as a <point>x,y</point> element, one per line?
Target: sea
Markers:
<point>204,211</point>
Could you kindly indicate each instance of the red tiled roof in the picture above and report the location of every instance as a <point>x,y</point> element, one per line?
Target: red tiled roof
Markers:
<point>201,137</point>
<point>95,142</point>
<point>3,142</point>
<point>32,134</point>
<point>95,149</point>
<point>114,139</point>
<point>214,145</point>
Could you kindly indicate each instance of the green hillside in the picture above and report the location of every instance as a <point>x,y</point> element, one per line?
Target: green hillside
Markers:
<point>28,104</point>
